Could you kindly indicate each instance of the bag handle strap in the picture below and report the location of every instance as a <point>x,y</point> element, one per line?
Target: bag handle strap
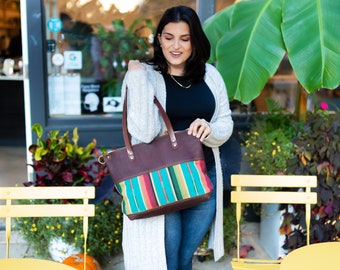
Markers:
<point>126,137</point>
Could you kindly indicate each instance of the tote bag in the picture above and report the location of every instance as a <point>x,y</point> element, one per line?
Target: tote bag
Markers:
<point>166,175</point>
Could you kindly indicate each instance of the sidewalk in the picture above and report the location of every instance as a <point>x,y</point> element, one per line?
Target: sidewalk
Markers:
<point>13,172</point>
<point>250,236</point>
<point>19,248</point>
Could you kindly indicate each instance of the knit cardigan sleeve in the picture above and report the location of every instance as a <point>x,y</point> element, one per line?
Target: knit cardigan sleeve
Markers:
<point>143,118</point>
<point>221,123</point>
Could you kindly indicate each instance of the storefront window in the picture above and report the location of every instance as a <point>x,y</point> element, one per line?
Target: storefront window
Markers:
<point>89,43</point>
<point>10,40</point>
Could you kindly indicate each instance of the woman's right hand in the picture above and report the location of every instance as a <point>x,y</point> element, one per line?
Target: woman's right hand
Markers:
<point>135,65</point>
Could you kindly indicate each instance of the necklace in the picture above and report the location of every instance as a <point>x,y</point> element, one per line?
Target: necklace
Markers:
<point>181,85</point>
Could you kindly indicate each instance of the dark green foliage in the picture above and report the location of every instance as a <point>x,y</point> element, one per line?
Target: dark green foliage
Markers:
<point>317,152</point>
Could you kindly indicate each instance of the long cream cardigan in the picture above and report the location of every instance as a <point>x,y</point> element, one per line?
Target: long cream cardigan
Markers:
<point>143,240</point>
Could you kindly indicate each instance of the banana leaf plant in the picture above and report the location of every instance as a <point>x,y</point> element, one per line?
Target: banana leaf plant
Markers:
<point>250,38</point>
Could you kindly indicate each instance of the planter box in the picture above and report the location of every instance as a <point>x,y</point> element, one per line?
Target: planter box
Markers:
<point>270,238</point>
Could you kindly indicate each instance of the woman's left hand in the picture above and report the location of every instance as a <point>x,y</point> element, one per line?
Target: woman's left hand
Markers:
<point>199,128</point>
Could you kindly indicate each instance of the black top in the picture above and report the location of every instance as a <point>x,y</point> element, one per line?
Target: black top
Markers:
<point>184,105</point>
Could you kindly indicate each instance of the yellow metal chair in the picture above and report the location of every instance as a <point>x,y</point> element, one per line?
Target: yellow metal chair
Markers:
<point>313,257</point>
<point>242,194</point>
<point>11,210</point>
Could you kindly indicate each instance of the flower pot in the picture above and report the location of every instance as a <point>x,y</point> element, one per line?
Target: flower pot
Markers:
<point>60,250</point>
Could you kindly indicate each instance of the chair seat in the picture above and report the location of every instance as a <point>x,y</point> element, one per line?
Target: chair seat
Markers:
<point>29,263</point>
<point>313,257</point>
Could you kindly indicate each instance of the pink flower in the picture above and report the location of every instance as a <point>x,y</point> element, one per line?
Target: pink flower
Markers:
<point>323,106</point>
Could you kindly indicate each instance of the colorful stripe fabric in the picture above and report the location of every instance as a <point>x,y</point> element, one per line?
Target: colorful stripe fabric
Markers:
<point>164,186</point>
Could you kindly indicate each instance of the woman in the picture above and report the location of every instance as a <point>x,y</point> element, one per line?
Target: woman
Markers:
<point>195,98</point>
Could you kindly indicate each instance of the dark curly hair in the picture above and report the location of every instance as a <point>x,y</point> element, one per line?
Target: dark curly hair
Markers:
<point>195,66</point>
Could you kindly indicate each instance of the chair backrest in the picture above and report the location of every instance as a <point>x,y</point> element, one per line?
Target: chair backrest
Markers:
<point>13,208</point>
<point>269,192</point>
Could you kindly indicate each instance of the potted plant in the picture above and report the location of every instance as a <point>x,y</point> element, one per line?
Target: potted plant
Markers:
<point>60,161</point>
<point>312,148</point>
<point>268,143</point>
<point>267,147</point>
<point>119,46</point>
<point>59,238</point>
<point>317,152</point>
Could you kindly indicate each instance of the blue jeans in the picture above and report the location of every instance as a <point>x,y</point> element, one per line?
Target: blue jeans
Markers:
<point>185,230</point>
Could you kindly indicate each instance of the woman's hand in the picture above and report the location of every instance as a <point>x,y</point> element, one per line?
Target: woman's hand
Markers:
<point>135,65</point>
<point>199,128</point>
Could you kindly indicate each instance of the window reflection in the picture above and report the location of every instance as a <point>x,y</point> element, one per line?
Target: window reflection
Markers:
<point>89,45</point>
<point>10,40</point>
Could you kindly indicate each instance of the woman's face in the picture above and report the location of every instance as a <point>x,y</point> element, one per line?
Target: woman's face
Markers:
<point>176,46</point>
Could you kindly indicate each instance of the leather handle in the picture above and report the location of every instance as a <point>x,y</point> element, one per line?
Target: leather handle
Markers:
<point>126,137</point>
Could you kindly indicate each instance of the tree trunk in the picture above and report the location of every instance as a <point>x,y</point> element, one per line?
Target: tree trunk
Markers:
<point>301,103</point>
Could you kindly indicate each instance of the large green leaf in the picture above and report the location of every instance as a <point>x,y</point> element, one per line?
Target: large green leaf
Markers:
<point>250,38</point>
<point>244,56</point>
<point>216,27</point>
<point>311,33</point>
